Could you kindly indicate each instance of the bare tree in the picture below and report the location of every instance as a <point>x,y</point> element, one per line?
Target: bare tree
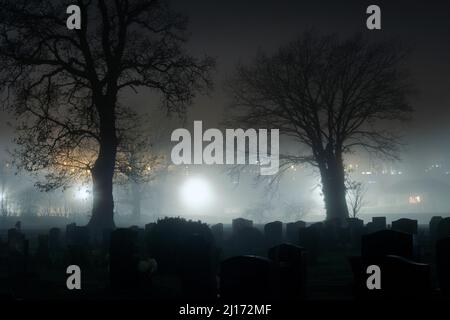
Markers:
<point>65,86</point>
<point>356,192</point>
<point>138,164</point>
<point>328,97</point>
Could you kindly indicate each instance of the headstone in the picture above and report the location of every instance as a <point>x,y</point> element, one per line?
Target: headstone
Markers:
<point>443,264</point>
<point>17,262</point>
<point>245,277</point>
<point>248,241</point>
<point>217,231</point>
<point>355,223</point>
<point>387,242</point>
<point>333,234</point>
<point>198,275</point>
<point>292,231</point>
<point>443,229</point>
<point>405,225</point>
<point>400,278</point>
<point>241,223</point>
<point>140,240</point>
<point>54,240</point>
<point>290,265</point>
<point>43,252</point>
<point>16,240</point>
<point>378,223</point>
<point>433,228</point>
<point>356,229</point>
<point>76,235</point>
<point>149,226</point>
<point>273,233</point>
<point>123,260</point>
<point>310,238</point>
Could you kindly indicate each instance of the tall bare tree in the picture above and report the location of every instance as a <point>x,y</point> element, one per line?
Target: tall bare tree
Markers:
<point>356,192</point>
<point>329,97</point>
<point>66,85</point>
<point>139,163</point>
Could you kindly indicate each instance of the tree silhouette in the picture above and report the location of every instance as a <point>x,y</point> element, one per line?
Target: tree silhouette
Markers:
<point>329,97</point>
<point>139,162</point>
<point>356,192</point>
<point>66,85</point>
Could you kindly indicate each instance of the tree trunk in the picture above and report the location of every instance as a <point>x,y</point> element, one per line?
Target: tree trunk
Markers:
<point>334,190</point>
<point>103,172</point>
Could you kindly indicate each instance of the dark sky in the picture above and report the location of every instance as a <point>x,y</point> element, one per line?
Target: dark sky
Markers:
<point>234,30</point>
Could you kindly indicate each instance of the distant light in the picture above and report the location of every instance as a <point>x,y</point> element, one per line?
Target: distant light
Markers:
<point>82,193</point>
<point>414,199</point>
<point>196,193</point>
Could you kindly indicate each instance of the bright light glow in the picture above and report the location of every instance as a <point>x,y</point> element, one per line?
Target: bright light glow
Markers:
<point>414,200</point>
<point>196,193</point>
<point>82,193</point>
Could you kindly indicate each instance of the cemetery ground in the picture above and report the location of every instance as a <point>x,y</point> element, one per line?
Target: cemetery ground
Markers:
<point>179,260</point>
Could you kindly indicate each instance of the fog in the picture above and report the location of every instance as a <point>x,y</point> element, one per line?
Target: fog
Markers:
<point>416,186</point>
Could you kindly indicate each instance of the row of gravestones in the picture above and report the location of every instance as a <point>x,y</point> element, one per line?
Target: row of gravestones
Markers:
<point>244,231</point>
<point>282,274</point>
<point>77,237</point>
<point>246,239</point>
<point>124,259</point>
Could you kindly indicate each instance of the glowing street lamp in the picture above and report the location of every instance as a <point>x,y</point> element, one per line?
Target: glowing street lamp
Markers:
<point>83,193</point>
<point>196,193</point>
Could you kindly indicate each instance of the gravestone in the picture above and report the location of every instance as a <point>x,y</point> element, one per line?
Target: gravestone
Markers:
<point>123,260</point>
<point>400,278</point>
<point>17,255</point>
<point>273,233</point>
<point>149,226</point>
<point>387,242</point>
<point>54,240</point>
<point>433,228</point>
<point>240,223</point>
<point>355,229</point>
<point>17,261</point>
<point>198,274</point>
<point>292,231</point>
<point>310,238</point>
<point>443,229</point>
<point>245,277</point>
<point>43,252</point>
<point>290,264</point>
<point>248,241</point>
<point>77,235</point>
<point>355,223</point>
<point>377,224</point>
<point>217,231</point>
<point>405,225</point>
<point>16,240</point>
<point>140,239</point>
<point>333,234</point>
<point>443,264</point>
